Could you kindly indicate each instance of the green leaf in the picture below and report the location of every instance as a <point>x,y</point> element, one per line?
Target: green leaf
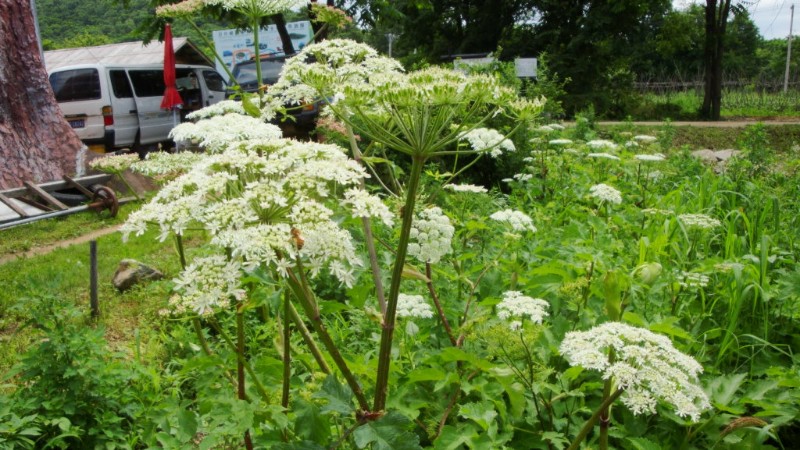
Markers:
<point>453,438</point>
<point>555,438</point>
<point>641,443</point>
<point>667,327</point>
<point>250,106</point>
<point>187,425</point>
<point>390,432</point>
<point>723,389</point>
<point>482,413</point>
<point>304,445</point>
<point>339,396</point>
<point>453,354</point>
<point>310,423</point>
<point>427,374</point>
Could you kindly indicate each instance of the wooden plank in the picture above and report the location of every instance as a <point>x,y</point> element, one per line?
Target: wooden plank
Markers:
<point>59,185</point>
<point>13,206</point>
<point>89,194</point>
<point>45,196</point>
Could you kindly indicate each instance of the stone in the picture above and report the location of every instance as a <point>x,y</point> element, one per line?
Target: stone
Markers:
<point>718,158</point>
<point>131,272</point>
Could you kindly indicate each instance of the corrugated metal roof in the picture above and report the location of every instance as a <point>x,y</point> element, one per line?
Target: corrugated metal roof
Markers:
<point>129,53</point>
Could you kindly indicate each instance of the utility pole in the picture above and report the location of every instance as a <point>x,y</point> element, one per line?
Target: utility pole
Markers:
<point>788,53</point>
<point>391,37</point>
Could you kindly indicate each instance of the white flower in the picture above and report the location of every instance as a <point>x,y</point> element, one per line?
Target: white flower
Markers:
<point>605,193</point>
<point>466,188</point>
<point>646,366</point>
<point>653,158</point>
<point>645,138</point>
<point>431,234</point>
<point>482,139</point>
<point>114,163</point>
<point>216,133</point>
<point>365,205</point>
<point>601,144</point>
<point>692,280</point>
<point>523,177</point>
<point>560,142</point>
<point>556,126</point>
<point>163,163</point>
<point>517,220</point>
<point>515,304</point>
<point>546,128</point>
<point>413,306</point>
<point>207,284</point>
<point>699,221</point>
<point>603,155</point>
<point>217,109</point>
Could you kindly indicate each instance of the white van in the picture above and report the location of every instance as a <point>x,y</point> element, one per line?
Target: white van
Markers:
<point>115,106</point>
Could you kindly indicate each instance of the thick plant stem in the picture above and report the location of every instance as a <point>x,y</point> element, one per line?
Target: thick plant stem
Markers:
<point>198,329</point>
<point>604,412</point>
<point>287,348</point>
<point>377,279</point>
<point>309,340</point>
<point>385,352</point>
<point>242,394</point>
<point>587,427</point>
<point>181,252</point>
<point>242,360</point>
<point>306,298</point>
<point>439,310</point>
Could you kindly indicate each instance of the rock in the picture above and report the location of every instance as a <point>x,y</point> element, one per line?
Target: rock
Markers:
<point>131,272</point>
<point>718,158</point>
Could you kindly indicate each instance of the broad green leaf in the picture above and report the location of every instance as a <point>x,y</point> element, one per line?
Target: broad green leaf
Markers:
<point>426,374</point>
<point>482,413</point>
<point>724,388</point>
<point>310,423</point>
<point>304,445</point>
<point>453,438</point>
<point>667,327</point>
<point>641,443</point>
<point>339,396</point>
<point>187,424</point>
<point>250,106</point>
<point>390,432</point>
<point>453,354</point>
<point>556,439</point>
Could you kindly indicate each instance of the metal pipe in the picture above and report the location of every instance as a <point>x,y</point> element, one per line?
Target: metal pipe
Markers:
<point>66,212</point>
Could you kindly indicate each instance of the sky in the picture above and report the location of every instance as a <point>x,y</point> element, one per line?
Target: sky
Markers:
<point>770,16</point>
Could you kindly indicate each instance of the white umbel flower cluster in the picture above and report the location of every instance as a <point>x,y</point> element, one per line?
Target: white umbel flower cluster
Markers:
<point>365,205</point>
<point>699,221</point>
<point>413,306</point>
<point>114,163</point>
<point>651,158</point>
<point>207,284</point>
<point>217,109</point>
<point>647,139</point>
<point>518,221</point>
<point>431,235</point>
<point>481,139</point>
<point>606,193</point>
<point>560,142</point>
<point>599,144</point>
<point>466,188</point>
<point>216,133</point>
<point>646,366</point>
<point>517,305</point>
<point>692,280</point>
<point>603,155</point>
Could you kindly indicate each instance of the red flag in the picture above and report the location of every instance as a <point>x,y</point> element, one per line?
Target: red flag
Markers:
<point>172,98</point>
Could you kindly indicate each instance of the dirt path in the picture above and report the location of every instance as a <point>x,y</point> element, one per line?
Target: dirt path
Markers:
<point>701,124</point>
<point>60,244</point>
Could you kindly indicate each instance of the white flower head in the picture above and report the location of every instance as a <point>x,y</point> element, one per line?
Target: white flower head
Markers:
<point>651,158</point>
<point>114,163</point>
<point>517,305</point>
<point>560,142</point>
<point>363,204</point>
<point>645,138</point>
<point>646,366</point>
<point>217,133</point>
<point>207,284</point>
<point>413,306</point>
<point>466,188</point>
<point>692,280</point>
<point>699,221</point>
<point>518,221</point>
<point>599,144</point>
<point>481,139</point>
<point>603,155</point>
<point>431,235</point>
<point>606,193</point>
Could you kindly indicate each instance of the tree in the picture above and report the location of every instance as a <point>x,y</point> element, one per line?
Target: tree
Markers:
<point>716,21</point>
<point>36,143</point>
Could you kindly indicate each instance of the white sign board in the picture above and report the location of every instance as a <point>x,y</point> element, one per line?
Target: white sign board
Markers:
<point>235,46</point>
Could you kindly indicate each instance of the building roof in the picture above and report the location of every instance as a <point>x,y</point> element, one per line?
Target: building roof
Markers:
<point>129,53</point>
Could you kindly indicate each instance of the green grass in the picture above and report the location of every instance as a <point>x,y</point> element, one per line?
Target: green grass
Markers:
<point>129,318</point>
<point>736,104</point>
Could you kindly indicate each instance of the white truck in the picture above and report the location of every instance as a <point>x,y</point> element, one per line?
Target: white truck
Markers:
<point>112,106</point>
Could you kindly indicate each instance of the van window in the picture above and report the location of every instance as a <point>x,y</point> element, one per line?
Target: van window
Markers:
<point>120,84</point>
<point>76,85</point>
<point>213,80</point>
<point>147,83</point>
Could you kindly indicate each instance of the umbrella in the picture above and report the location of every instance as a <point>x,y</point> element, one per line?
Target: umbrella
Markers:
<point>172,98</point>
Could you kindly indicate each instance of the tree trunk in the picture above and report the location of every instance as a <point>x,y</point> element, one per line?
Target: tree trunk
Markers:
<point>716,19</point>
<point>36,143</point>
<point>286,40</point>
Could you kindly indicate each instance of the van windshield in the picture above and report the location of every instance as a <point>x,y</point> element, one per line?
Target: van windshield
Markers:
<point>75,85</point>
<point>270,70</point>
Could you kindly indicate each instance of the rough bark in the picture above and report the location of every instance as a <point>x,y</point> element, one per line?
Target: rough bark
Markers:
<point>716,19</point>
<point>36,143</point>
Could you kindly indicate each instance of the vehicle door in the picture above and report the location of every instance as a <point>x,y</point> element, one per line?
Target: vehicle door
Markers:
<point>148,90</point>
<point>79,95</point>
<point>123,105</point>
<point>214,86</point>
